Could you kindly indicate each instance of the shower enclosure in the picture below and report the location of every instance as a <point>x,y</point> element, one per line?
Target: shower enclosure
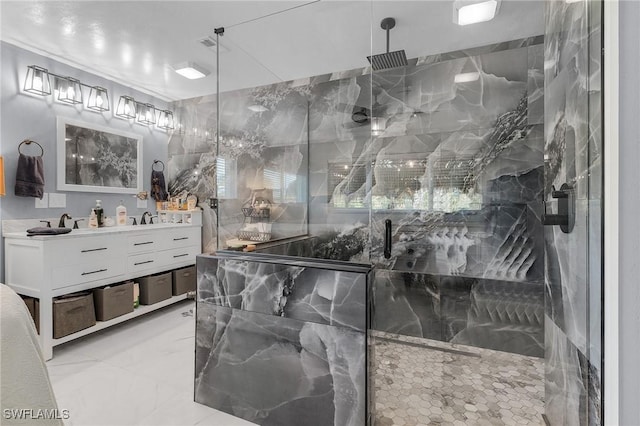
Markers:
<point>428,232</point>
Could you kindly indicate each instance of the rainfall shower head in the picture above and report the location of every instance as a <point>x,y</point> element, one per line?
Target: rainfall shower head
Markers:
<point>388,60</point>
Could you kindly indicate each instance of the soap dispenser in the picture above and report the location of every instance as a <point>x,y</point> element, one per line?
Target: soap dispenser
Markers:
<point>93,219</point>
<point>121,214</point>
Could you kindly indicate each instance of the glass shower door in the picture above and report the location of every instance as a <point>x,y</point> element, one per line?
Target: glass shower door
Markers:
<point>573,194</point>
<point>457,184</point>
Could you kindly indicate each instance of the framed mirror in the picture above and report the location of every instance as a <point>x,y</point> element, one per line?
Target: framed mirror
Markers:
<point>92,158</point>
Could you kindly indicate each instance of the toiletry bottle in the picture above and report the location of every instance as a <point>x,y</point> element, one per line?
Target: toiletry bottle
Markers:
<point>121,214</point>
<point>99,213</point>
<point>93,219</point>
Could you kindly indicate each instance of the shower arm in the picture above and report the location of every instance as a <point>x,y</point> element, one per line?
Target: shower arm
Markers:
<point>387,24</point>
<point>388,30</point>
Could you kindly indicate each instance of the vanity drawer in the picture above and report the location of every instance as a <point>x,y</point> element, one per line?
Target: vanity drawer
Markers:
<point>140,243</point>
<point>81,250</point>
<point>65,276</point>
<point>182,237</point>
<point>143,262</point>
<point>180,255</point>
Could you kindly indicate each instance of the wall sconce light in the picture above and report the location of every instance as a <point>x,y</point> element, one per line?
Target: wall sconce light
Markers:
<point>165,120</point>
<point>126,107</point>
<point>37,81</point>
<point>146,113</point>
<point>378,125</point>
<point>69,91</point>
<point>98,99</point>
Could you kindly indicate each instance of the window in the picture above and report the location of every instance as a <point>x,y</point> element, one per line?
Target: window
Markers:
<point>286,187</point>
<point>445,184</point>
<point>226,178</point>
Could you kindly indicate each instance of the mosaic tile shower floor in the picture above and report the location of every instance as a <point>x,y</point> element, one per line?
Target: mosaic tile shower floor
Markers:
<point>426,382</point>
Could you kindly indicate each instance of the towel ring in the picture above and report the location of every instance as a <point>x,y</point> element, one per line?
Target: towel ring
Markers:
<point>28,142</point>
<point>156,162</point>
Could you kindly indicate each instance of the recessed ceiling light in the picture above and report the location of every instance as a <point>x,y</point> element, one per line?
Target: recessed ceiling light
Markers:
<point>471,12</point>
<point>466,77</point>
<point>258,108</point>
<point>191,70</point>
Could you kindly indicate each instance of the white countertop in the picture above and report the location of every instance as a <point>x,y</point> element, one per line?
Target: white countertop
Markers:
<point>84,232</point>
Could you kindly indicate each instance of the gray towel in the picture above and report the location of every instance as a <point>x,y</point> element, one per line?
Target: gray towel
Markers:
<point>158,186</point>
<point>30,176</point>
<point>42,230</point>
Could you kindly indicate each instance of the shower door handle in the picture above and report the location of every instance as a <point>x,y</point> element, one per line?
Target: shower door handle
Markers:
<point>566,209</point>
<point>387,238</point>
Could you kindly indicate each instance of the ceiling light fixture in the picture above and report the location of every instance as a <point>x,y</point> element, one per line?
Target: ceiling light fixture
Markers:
<point>466,77</point>
<point>191,70</point>
<point>466,12</point>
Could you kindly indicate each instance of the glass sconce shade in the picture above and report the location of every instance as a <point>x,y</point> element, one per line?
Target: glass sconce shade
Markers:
<point>126,107</point>
<point>146,114</point>
<point>37,81</point>
<point>165,120</point>
<point>69,91</point>
<point>378,125</point>
<point>98,99</point>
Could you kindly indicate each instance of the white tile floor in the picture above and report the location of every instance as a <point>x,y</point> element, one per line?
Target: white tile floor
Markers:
<point>137,373</point>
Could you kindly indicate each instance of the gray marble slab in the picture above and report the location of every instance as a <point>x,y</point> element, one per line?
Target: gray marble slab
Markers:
<point>500,315</point>
<point>319,295</point>
<point>566,380</point>
<point>277,371</point>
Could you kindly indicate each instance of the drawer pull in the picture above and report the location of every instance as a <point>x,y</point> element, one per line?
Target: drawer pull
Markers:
<point>142,263</point>
<point>96,249</point>
<point>94,272</point>
<point>141,244</point>
<point>181,238</point>
<point>181,255</point>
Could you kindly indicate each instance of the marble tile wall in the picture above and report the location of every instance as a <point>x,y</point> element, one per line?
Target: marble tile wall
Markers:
<point>307,294</point>
<point>499,315</point>
<point>494,124</point>
<point>429,116</point>
<point>573,155</point>
<point>464,273</point>
<point>282,344</point>
<point>258,149</point>
<point>278,371</point>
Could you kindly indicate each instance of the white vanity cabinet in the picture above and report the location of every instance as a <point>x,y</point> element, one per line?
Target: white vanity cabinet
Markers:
<point>45,267</point>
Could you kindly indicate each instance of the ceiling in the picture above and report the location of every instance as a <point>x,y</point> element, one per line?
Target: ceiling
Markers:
<point>136,43</point>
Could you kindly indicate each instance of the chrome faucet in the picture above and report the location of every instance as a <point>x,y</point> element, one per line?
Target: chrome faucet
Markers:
<point>143,220</point>
<point>64,216</point>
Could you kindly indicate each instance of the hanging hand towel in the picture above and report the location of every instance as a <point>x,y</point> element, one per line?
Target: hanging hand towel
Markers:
<point>30,176</point>
<point>158,185</point>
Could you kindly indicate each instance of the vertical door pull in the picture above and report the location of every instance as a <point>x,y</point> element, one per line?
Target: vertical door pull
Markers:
<point>387,238</point>
<point>566,209</point>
